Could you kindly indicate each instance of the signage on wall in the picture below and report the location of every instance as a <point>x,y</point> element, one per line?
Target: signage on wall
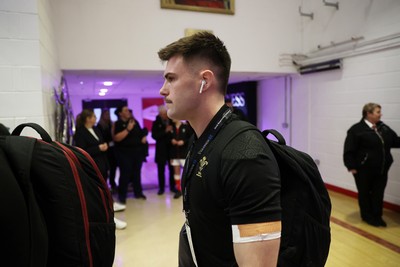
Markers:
<point>243,96</point>
<point>149,113</point>
<point>238,99</point>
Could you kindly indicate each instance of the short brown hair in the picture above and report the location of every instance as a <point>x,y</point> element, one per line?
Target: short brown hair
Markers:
<point>369,108</point>
<point>205,46</point>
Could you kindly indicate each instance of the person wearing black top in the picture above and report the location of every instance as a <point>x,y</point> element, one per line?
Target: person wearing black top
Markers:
<point>180,134</point>
<point>90,139</point>
<point>105,125</point>
<point>160,131</point>
<point>129,140</point>
<point>241,226</point>
<point>367,156</point>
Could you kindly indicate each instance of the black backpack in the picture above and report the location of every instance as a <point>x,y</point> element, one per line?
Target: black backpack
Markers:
<point>305,202</point>
<point>63,206</point>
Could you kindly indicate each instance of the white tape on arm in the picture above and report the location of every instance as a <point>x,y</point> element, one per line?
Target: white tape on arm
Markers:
<point>256,232</point>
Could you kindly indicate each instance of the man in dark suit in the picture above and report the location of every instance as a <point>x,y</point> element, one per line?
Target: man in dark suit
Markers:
<point>367,156</point>
<point>161,132</point>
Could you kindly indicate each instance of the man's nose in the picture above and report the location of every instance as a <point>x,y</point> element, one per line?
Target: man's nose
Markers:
<point>163,90</point>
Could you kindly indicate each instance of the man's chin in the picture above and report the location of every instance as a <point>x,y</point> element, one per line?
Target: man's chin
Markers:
<point>174,116</point>
<point>171,115</point>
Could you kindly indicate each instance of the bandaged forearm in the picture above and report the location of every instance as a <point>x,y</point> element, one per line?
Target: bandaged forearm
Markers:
<point>254,232</point>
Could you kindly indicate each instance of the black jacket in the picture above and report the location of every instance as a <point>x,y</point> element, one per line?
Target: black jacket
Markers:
<point>163,139</point>
<point>364,148</point>
<point>85,140</point>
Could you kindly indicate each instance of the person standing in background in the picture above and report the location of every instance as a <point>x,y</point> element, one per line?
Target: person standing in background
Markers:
<point>180,134</point>
<point>90,139</point>
<point>129,139</point>
<point>105,127</point>
<point>367,156</point>
<point>161,132</point>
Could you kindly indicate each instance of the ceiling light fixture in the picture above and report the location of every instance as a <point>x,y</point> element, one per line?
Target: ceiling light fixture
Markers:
<point>103,90</point>
<point>102,93</point>
<point>108,83</point>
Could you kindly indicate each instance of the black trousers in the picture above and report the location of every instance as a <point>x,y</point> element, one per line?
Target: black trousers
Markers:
<point>371,188</point>
<point>161,176</point>
<point>112,160</point>
<point>130,166</point>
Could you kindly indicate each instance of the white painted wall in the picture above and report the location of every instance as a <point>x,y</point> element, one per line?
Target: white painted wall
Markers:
<point>27,63</point>
<point>50,71</point>
<point>126,34</point>
<point>335,102</point>
<point>326,104</point>
<point>368,18</point>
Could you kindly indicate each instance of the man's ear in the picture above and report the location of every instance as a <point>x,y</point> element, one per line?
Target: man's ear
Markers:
<point>208,79</point>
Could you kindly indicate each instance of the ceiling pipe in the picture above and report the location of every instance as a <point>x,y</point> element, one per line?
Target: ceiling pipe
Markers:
<point>351,40</point>
<point>310,15</point>
<point>331,4</point>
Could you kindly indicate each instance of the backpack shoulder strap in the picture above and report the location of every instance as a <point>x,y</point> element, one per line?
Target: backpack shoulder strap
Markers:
<point>276,134</point>
<point>232,129</point>
<point>19,151</point>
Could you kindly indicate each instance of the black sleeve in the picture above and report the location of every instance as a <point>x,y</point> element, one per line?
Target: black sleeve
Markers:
<point>395,139</point>
<point>250,180</point>
<point>82,141</point>
<point>140,130</point>
<point>118,127</point>
<point>158,130</point>
<point>350,150</point>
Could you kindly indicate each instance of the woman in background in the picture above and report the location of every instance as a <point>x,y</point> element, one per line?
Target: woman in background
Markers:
<point>105,125</point>
<point>90,139</point>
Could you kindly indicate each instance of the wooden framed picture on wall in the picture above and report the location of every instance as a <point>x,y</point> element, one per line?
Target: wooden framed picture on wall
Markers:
<point>213,6</point>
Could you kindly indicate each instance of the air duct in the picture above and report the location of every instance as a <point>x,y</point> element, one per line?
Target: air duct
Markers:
<point>322,66</point>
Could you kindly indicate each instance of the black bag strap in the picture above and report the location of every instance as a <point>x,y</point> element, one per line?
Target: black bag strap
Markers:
<point>276,134</point>
<point>233,128</point>
<point>42,132</point>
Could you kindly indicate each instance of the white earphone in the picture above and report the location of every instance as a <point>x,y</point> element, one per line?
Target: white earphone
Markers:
<point>203,82</point>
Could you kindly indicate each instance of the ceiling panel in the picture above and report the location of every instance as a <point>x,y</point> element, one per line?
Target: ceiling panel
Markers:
<point>89,82</point>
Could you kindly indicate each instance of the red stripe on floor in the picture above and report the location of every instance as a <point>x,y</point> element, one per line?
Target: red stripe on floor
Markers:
<point>365,234</point>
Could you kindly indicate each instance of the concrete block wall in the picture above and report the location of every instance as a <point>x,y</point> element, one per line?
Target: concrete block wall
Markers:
<point>25,64</point>
<point>50,70</point>
<point>326,104</point>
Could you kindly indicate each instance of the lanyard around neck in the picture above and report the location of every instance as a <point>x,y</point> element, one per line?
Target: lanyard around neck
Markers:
<point>194,156</point>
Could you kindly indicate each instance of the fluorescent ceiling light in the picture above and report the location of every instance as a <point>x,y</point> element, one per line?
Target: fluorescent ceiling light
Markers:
<point>102,93</point>
<point>103,90</point>
<point>108,83</point>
